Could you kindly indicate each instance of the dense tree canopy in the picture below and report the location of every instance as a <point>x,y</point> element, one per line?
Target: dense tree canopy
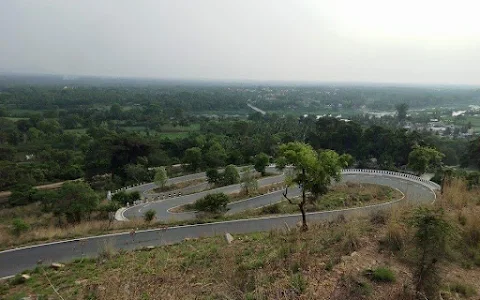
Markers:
<point>420,158</point>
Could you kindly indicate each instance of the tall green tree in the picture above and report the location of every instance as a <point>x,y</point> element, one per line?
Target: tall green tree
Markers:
<point>472,156</point>
<point>420,158</point>
<point>161,177</point>
<point>261,162</point>
<point>193,157</point>
<point>212,203</point>
<point>116,111</point>
<point>312,171</point>
<point>213,176</point>
<point>215,156</point>
<point>136,173</point>
<point>230,175</point>
<point>249,184</point>
<point>76,200</point>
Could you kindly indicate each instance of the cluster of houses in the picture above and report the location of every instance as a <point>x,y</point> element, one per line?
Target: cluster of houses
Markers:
<point>441,128</point>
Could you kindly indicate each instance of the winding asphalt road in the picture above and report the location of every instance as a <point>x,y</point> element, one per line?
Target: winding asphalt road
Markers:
<point>163,207</point>
<point>16,260</point>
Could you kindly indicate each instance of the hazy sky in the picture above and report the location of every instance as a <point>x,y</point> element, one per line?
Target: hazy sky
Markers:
<point>408,41</point>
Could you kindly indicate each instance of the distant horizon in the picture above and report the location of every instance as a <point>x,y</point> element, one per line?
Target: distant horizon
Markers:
<point>235,81</point>
<point>302,42</point>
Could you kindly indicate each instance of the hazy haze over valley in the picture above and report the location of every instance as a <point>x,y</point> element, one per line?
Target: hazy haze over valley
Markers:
<point>368,41</point>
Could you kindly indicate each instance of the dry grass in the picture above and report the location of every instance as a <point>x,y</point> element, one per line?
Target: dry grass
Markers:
<point>327,262</point>
<point>178,186</point>
<point>397,231</point>
<point>50,232</point>
<point>457,196</point>
<point>273,265</point>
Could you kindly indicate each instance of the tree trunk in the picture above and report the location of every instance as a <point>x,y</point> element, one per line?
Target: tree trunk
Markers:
<point>304,217</point>
<point>301,205</point>
<point>442,185</point>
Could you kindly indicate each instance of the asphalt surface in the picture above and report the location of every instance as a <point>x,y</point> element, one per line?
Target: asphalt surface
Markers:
<point>144,188</point>
<point>162,206</point>
<point>17,260</point>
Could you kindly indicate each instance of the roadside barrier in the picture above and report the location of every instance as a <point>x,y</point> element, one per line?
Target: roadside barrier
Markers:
<point>393,173</point>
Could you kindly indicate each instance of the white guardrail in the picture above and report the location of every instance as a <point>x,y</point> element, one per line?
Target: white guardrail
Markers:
<point>125,188</point>
<point>431,184</point>
<point>367,171</point>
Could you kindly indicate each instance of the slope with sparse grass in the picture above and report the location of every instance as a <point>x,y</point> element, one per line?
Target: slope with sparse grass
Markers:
<point>362,258</point>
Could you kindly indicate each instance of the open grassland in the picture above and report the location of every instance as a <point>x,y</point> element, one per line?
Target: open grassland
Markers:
<point>360,258</point>
<point>474,120</point>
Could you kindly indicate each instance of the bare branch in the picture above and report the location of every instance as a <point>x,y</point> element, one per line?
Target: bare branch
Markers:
<point>53,287</point>
<point>285,195</point>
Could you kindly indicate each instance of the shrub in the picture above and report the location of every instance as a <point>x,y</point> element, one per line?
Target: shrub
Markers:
<point>355,288</point>
<point>431,237</point>
<point>395,238</point>
<point>22,194</point>
<point>19,226</point>
<point>230,175</point>
<point>18,279</point>
<point>271,209</point>
<point>161,177</point>
<point>124,197</point>
<point>213,177</point>
<point>351,237</point>
<point>121,197</point>
<point>382,274</point>
<point>298,283</point>
<point>133,196</point>
<point>379,217</point>
<point>212,203</point>
<point>106,209</point>
<point>462,289</point>
<point>149,215</point>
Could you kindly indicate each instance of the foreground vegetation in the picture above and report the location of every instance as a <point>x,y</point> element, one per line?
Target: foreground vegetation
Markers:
<point>381,256</point>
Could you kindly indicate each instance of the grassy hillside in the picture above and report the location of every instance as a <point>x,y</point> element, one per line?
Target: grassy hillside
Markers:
<point>375,257</point>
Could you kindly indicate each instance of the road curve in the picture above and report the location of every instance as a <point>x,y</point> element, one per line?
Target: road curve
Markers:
<point>16,260</point>
<point>163,207</point>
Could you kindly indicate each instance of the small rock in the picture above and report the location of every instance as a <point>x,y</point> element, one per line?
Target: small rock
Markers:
<point>25,277</point>
<point>57,266</point>
<point>228,237</point>
<point>81,282</point>
<point>150,247</point>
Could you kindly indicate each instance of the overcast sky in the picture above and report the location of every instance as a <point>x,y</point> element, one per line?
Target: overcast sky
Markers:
<point>407,41</point>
